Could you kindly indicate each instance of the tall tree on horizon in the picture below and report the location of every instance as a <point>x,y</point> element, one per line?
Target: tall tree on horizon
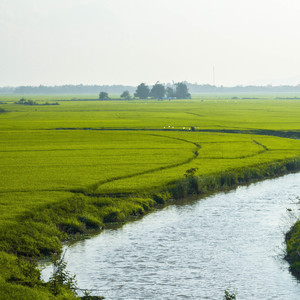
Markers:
<point>182,91</point>
<point>158,91</point>
<point>142,91</point>
<point>103,96</point>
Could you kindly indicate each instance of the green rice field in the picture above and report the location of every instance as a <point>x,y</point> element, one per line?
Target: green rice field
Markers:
<point>79,165</point>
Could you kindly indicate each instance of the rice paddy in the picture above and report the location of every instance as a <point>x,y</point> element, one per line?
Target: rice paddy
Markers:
<point>38,159</point>
<point>81,164</point>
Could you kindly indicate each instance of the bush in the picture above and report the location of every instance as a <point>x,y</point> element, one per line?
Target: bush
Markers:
<point>228,295</point>
<point>180,189</point>
<point>23,101</point>
<point>113,215</point>
<point>292,239</point>
<point>91,222</point>
<point>28,273</point>
<point>146,203</point>
<point>72,226</point>
<point>161,198</point>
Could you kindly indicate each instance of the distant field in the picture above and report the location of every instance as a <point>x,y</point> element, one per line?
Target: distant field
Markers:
<point>202,113</point>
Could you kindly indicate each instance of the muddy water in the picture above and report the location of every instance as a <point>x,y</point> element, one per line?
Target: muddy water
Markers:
<point>197,250</point>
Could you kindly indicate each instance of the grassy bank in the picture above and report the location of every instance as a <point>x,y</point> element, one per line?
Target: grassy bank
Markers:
<point>59,185</point>
<point>292,239</point>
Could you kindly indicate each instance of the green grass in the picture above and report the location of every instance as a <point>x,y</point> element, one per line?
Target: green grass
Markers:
<point>56,183</point>
<point>293,249</point>
<point>218,114</point>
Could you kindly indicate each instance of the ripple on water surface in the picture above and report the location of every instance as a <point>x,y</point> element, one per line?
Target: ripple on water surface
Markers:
<point>197,250</point>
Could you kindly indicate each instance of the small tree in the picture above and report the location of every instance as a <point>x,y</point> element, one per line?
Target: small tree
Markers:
<point>30,102</point>
<point>142,91</point>
<point>61,278</point>
<point>103,96</point>
<point>158,91</point>
<point>190,172</point>
<point>182,91</point>
<point>126,95</point>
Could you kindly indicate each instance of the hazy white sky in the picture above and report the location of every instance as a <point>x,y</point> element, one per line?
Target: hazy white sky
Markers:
<point>131,41</point>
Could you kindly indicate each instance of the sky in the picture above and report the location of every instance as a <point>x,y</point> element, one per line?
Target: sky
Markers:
<point>56,42</point>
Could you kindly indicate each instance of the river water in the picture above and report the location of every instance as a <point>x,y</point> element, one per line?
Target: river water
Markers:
<point>196,250</point>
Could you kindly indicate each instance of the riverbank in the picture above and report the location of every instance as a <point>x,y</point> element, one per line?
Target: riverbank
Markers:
<point>292,239</point>
<point>40,233</point>
<point>195,248</point>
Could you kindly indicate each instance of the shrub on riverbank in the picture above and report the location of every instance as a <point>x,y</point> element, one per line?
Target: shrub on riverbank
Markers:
<point>293,248</point>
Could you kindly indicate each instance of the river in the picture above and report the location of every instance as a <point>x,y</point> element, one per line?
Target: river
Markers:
<point>196,250</point>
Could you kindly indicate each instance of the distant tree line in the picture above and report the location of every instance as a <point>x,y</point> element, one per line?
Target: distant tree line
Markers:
<point>193,88</point>
<point>7,90</point>
<point>71,89</point>
<point>157,91</point>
